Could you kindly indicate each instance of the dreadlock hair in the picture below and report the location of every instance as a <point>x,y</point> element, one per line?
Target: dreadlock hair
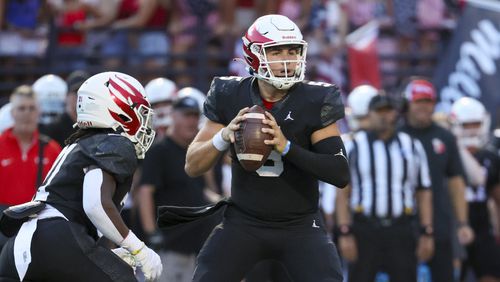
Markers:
<point>82,133</point>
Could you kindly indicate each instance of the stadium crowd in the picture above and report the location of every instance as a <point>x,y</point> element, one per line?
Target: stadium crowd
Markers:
<point>391,131</point>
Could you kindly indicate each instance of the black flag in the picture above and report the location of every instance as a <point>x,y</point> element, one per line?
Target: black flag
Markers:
<point>471,64</point>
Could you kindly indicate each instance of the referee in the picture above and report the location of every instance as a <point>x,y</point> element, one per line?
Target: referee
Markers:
<point>375,214</point>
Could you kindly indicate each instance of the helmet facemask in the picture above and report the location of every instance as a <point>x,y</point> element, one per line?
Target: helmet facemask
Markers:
<point>264,71</point>
<point>472,137</point>
<point>145,135</point>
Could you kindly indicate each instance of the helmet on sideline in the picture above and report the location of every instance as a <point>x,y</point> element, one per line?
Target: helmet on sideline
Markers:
<point>164,91</point>
<point>118,101</point>
<point>270,31</point>
<point>160,90</point>
<point>357,104</point>
<point>50,92</point>
<point>6,120</point>
<point>359,98</point>
<point>466,111</point>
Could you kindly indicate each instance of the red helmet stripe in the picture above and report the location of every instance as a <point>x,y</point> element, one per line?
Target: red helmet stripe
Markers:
<point>255,36</point>
<point>135,97</point>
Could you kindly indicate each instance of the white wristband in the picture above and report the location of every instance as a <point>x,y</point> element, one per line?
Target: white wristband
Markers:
<point>219,143</point>
<point>132,244</point>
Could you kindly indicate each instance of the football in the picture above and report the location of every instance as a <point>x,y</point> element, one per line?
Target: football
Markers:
<point>249,145</point>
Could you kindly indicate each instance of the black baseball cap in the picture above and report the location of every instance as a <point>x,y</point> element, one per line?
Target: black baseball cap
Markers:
<point>188,104</point>
<point>381,101</point>
<point>76,79</point>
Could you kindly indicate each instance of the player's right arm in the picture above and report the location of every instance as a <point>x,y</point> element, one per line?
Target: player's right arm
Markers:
<point>212,140</point>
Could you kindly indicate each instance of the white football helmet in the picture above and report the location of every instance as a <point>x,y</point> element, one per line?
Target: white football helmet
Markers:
<point>468,110</point>
<point>6,120</point>
<point>50,92</point>
<point>357,104</point>
<point>161,90</point>
<point>359,98</point>
<point>118,101</point>
<point>269,31</point>
<point>200,98</point>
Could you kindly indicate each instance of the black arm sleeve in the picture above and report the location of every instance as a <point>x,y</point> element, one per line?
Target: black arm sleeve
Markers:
<point>327,161</point>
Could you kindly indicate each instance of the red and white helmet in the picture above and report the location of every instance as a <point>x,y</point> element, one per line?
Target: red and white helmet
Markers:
<point>161,92</point>
<point>467,110</point>
<point>269,31</point>
<point>118,101</point>
<point>50,92</point>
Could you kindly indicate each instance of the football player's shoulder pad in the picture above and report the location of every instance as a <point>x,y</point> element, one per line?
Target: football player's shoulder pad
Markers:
<point>112,153</point>
<point>328,96</point>
<point>221,87</point>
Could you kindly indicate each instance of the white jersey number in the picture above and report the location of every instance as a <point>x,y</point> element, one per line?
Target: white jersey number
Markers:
<point>274,169</point>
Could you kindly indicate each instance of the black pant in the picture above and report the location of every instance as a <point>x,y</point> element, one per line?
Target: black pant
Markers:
<point>63,251</point>
<point>240,242</point>
<point>384,248</point>
<point>441,264</point>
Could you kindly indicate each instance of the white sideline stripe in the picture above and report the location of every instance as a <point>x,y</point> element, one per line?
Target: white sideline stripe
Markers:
<point>255,115</point>
<point>250,157</point>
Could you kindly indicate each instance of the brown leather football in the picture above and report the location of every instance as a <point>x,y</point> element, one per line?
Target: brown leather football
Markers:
<point>249,145</point>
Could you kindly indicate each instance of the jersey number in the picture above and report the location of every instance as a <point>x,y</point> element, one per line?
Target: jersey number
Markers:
<point>273,167</point>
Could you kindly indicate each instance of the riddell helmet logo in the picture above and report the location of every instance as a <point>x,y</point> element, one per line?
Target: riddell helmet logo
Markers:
<point>85,123</point>
<point>289,37</point>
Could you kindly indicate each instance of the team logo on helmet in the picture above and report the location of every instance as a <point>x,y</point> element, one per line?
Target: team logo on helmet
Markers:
<point>131,122</point>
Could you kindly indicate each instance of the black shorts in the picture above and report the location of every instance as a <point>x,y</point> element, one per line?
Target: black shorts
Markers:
<point>484,256</point>
<point>63,251</point>
<point>240,242</point>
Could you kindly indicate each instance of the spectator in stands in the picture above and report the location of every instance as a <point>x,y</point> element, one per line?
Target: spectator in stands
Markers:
<point>132,14</point>
<point>62,127</point>
<point>72,18</point>
<point>25,155</point>
<point>448,184</point>
<point>164,182</point>
<point>390,186</point>
<point>22,29</point>
<point>328,25</point>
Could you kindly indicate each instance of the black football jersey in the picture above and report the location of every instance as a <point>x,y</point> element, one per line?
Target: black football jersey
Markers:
<point>279,190</point>
<point>477,197</point>
<point>63,185</point>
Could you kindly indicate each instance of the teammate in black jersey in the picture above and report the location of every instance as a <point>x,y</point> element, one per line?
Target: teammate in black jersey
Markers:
<point>274,211</point>
<point>470,122</point>
<point>80,198</point>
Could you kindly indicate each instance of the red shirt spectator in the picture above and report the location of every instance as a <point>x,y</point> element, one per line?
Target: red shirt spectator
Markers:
<point>19,150</point>
<point>18,171</point>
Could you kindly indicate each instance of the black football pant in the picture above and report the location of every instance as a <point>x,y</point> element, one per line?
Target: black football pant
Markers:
<point>62,251</point>
<point>441,264</point>
<point>384,248</point>
<point>240,242</point>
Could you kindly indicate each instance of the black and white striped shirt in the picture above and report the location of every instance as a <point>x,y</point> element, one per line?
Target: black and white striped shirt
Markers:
<point>385,174</point>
